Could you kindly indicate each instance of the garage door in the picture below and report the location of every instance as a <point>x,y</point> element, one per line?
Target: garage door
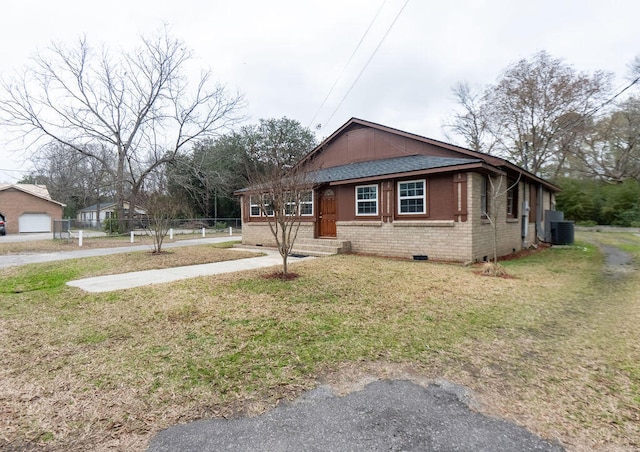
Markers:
<point>34,222</point>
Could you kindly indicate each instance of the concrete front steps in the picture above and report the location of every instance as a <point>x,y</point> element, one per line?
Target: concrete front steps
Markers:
<point>320,247</point>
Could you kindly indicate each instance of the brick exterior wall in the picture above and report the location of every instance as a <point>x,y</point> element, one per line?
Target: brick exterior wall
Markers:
<point>14,203</point>
<point>471,240</point>
<point>442,240</point>
<point>258,233</point>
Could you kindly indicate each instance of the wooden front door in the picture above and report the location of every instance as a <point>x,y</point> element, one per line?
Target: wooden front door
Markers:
<point>327,214</point>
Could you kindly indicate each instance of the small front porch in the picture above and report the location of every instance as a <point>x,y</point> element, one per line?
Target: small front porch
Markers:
<point>320,247</point>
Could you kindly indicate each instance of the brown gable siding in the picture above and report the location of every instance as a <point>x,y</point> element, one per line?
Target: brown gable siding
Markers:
<point>366,144</point>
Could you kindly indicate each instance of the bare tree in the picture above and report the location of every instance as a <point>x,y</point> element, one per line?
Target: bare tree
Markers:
<point>494,202</point>
<point>473,123</point>
<point>161,210</point>
<point>611,151</point>
<point>278,189</point>
<point>532,111</point>
<point>138,105</point>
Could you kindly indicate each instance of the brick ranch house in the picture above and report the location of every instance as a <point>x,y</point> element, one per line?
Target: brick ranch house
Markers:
<point>28,208</point>
<point>382,191</point>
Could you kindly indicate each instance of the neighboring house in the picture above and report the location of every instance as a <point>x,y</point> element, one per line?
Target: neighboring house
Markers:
<point>392,193</point>
<point>94,215</point>
<point>28,208</point>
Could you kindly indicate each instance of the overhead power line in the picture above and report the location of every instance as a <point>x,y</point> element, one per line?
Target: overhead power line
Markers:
<point>368,61</point>
<point>596,109</point>
<point>347,63</point>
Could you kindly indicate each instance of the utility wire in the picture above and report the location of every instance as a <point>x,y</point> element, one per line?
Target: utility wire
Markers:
<point>614,97</point>
<point>347,63</point>
<point>368,61</point>
<point>596,109</point>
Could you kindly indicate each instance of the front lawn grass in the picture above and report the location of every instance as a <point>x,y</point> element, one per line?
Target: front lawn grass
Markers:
<point>554,348</point>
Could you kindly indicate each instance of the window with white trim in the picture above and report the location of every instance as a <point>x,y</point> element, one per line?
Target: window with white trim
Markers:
<point>267,201</point>
<point>367,200</point>
<point>412,197</point>
<point>306,204</point>
<point>258,205</point>
<point>254,207</point>
<point>303,203</point>
<point>261,205</point>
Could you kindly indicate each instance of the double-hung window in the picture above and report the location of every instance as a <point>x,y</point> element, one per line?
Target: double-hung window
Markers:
<point>367,200</point>
<point>412,197</point>
<point>306,203</point>
<point>259,205</point>
<point>254,206</point>
<point>299,204</point>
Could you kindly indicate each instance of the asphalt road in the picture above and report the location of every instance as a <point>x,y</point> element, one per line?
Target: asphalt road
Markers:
<point>387,415</point>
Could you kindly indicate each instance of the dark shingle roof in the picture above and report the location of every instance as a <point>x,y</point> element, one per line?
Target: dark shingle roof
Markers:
<point>385,167</point>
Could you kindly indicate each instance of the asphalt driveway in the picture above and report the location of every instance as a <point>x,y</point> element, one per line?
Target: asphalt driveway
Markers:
<point>387,415</point>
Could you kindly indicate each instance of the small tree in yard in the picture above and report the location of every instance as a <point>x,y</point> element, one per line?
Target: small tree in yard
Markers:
<point>279,190</point>
<point>161,211</point>
<point>493,195</point>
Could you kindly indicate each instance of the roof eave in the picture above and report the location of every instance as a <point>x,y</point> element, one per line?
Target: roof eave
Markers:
<point>422,172</point>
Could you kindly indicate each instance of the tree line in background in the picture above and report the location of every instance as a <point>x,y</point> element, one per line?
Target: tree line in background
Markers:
<point>566,126</point>
<point>128,127</point>
<point>105,125</point>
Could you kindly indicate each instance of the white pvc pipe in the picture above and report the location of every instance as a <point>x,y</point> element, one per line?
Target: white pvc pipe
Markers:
<point>131,236</point>
<point>171,234</point>
<point>230,230</point>
<point>202,232</point>
<point>80,238</point>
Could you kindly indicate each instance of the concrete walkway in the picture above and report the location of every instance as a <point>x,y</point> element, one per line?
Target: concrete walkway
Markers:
<point>110,283</point>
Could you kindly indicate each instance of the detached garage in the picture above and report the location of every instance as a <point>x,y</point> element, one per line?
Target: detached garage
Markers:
<point>28,208</point>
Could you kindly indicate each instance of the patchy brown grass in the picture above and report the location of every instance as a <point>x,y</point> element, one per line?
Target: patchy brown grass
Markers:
<point>555,348</point>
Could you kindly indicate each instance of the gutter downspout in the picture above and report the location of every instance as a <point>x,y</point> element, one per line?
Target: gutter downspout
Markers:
<point>539,208</point>
<point>525,223</point>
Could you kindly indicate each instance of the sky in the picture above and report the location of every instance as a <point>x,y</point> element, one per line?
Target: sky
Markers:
<point>284,56</point>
